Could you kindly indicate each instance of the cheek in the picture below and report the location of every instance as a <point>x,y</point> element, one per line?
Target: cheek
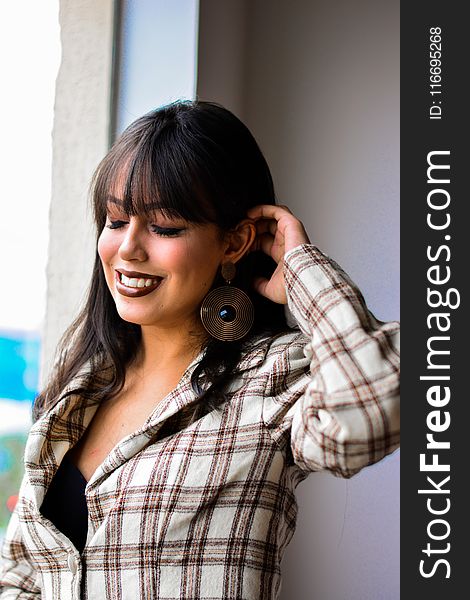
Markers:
<point>188,260</point>
<point>202,262</point>
<point>105,248</point>
<point>172,255</point>
<point>192,265</point>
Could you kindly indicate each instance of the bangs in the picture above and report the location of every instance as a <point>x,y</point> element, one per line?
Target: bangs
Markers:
<point>156,173</point>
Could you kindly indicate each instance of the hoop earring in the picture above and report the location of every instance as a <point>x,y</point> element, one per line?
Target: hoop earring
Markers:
<point>227,313</point>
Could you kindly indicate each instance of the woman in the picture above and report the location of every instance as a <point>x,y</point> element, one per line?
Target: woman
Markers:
<point>183,410</point>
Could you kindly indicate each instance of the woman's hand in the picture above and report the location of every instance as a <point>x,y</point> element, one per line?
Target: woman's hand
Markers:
<point>277,232</point>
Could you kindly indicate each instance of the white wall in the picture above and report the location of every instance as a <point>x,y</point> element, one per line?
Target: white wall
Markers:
<point>318,84</point>
<point>80,139</point>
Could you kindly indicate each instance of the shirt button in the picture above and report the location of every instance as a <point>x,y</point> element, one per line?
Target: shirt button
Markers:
<point>72,564</point>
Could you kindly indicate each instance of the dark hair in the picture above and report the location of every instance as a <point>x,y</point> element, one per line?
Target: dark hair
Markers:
<point>197,161</point>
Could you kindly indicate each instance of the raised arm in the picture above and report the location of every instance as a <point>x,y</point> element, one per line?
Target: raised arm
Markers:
<point>348,415</point>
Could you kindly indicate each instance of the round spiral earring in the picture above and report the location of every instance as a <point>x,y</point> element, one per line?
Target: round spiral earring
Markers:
<point>227,313</point>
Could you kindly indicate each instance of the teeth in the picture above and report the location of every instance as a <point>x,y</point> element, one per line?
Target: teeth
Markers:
<point>137,283</point>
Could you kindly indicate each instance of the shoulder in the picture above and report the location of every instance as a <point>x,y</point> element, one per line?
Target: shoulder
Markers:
<point>283,351</point>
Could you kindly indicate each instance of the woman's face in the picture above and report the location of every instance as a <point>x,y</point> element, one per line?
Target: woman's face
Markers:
<point>172,261</point>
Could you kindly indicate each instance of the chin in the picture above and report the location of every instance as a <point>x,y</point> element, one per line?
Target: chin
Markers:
<point>137,317</point>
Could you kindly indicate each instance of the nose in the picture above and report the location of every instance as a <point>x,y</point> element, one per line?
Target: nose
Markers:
<point>133,243</point>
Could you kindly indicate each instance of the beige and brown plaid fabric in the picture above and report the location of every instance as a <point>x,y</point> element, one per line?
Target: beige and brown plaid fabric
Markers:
<point>206,511</point>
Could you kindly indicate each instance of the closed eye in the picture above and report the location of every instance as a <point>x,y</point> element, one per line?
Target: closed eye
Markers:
<point>116,224</point>
<point>162,231</point>
<point>167,231</point>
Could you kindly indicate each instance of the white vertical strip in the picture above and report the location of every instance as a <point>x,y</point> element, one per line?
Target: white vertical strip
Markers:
<point>158,59</point>
<point>80,139</point>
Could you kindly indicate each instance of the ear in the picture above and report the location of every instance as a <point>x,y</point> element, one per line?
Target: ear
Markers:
<point>239,240</point>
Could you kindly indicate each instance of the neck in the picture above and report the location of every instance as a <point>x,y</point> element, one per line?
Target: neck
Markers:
<point>168,348</point>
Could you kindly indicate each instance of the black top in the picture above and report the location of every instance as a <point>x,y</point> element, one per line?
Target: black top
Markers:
<point>65,504</point>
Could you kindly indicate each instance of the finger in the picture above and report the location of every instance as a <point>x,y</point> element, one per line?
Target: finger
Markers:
<point>260,284</point>
<point>290,231</point>
<point>260,241</point>
<point>265,243</point>
<point>266,226</point>
<point>270,211</point>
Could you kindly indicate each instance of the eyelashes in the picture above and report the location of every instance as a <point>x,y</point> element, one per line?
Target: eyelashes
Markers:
<point>167,231</point>
<point>161,231</point>
<point>115,224</point>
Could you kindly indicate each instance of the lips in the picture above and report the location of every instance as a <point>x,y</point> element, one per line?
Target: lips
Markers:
<point>136,274</point>
<point>131,292</point>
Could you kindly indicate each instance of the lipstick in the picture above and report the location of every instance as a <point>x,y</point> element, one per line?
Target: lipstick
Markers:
<point>132,292</point>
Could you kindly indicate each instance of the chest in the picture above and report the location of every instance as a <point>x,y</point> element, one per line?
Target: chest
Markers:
<point>113,421</point>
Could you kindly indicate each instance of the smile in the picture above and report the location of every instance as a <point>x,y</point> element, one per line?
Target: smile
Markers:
<point>137,282</point>
<point>136,286</point>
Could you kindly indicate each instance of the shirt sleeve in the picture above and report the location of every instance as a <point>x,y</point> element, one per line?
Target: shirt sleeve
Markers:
<point>19,580</point>
<point>348,415</point>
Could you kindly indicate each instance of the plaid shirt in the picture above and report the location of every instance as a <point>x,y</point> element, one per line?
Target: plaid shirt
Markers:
<point>205,511</point>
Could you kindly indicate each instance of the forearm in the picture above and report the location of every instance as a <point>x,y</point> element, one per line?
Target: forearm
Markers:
<point>349,415</point>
